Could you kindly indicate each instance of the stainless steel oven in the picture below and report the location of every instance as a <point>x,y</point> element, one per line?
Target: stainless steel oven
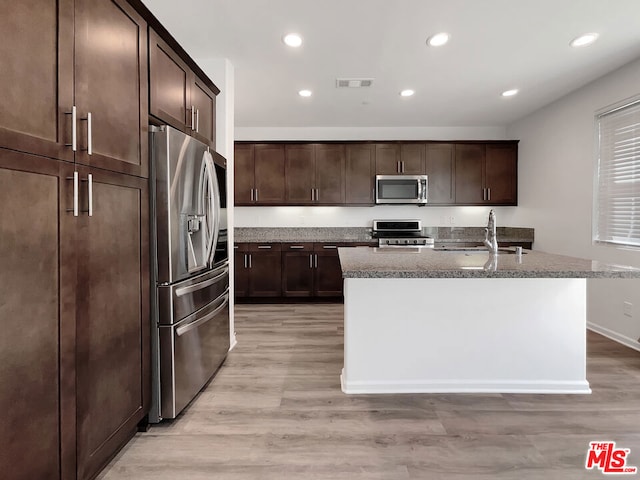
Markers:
<point>402,189</point>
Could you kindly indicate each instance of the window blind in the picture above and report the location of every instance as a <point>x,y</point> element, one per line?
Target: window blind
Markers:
<point>617,212</point>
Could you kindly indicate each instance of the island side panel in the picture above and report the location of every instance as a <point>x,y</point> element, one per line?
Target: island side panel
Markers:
<point>411,335</point>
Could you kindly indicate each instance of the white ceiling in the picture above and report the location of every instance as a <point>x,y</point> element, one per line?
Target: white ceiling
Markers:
<point>495,45</point>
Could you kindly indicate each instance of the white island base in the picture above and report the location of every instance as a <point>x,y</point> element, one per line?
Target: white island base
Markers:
<point>454,335</point>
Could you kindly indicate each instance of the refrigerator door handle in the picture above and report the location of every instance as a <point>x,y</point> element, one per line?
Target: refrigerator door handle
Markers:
<point>196,323</point>
<point>211,207</point>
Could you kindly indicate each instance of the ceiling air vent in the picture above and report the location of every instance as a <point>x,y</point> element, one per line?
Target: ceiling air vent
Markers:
<point>353,82</point>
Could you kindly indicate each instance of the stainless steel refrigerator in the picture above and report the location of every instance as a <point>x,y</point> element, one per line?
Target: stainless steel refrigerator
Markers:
<point>191,268</point>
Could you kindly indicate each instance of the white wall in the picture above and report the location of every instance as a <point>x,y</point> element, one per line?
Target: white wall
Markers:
<point>221,72</point>
<point>362,216</point>
<point>556,175</point>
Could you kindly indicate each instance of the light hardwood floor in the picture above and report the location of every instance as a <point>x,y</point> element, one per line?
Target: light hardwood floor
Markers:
<point>275,411</point>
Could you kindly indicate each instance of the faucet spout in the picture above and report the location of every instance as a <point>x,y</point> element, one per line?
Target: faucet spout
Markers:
<point>490,237</point>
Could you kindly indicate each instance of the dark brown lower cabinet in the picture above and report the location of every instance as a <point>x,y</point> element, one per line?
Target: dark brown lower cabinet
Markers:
<point>327,274</point>
<point>37,281</point>
<point>307,270</point>
<point>74,314</point>
<point>297,270</point>
<point>258,270</point>
<point>112,326</point>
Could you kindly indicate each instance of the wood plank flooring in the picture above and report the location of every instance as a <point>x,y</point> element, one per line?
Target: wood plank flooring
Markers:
<point>275,411</point>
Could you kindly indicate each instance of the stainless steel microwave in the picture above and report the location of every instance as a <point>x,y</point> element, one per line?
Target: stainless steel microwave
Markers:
<point>398,189</point>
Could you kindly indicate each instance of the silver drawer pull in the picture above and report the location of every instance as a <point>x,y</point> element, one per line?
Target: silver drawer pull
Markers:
<point>264,247</point>
<point>296,247</point>
<point>196,323</point>
<point>199,286</point>
<point>328,247</point>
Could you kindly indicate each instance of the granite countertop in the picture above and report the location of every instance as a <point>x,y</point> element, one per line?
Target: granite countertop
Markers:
<point>365,262</point>
<point>363,234</point>
<point>303,234</point>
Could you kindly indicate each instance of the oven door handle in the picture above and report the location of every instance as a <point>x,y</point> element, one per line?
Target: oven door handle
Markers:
<point>200,285</point>
<point>196,323</point>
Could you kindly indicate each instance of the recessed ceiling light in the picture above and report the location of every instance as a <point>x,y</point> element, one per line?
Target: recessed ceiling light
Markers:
<point>407,93</point>
<point>510,93</point>
<point>438,39</point>
<point>304,93</point>
<point>292,40</point>
<point>584,40</point>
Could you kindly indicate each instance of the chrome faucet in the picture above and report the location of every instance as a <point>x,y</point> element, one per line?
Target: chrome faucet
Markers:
<point>490,237</point>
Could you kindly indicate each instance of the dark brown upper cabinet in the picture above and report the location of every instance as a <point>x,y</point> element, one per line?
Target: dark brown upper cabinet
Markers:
<point>66,95</point>
<point>501,174</point>
<point>399,158</point>
<point>412,157</point>
<point>259,173</point>
<point>314,174</point>
<point>486,174</point>
<point>360,170</point>
<point>177,96</point>
<point>440,170</point>
<point>460,173</point>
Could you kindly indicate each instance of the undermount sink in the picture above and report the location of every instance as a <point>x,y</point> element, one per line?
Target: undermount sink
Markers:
<point>476,250</point>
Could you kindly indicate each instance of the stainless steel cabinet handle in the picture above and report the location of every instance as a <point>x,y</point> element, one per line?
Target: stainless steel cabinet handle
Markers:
<point>76,200</point>
<point>402,166</point>
<point>327,247</point>
<point>252,194</point>
<point>313,195</point>
<point>316,260</point>
<point>193,117</point>
<point>250,266</point>
<point>264,247</point>
<point>484,194</point>
<point>197,120</point>
<point>89,135</point>
<point>200,285</point>
<point>90,188</point>
<point>489,194</point>
<point>245,260</point>
<point>296,247</point>
<point>317,194</point>
<point>74,129</point>
<point>398,166</point>
<point>256,194</point>
<point>310,261</point>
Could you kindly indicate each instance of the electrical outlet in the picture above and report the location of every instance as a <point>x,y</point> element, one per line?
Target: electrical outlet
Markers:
<point>452,220</point>
<point>627,309</point>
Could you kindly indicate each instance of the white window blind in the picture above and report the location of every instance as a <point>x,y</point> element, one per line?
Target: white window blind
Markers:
<point>617,206</point>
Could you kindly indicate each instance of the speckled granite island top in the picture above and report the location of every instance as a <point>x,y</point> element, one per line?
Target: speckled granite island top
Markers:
<point>365,262</point>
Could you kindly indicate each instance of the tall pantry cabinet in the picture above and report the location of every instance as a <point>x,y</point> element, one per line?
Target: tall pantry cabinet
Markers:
<point>74,215</point>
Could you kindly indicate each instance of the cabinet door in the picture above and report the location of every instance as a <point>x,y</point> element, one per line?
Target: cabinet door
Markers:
<point>113,325</point>
<point>241,270</point>
<point>265,270</point>
<point>329,174</point>
<point>269,175</point>
<point>111,86</point>
<point>440,169</point>
<point>169,79</point>
<point>359,175</point>
<point>203,101</point>
<point>37,280</point>
<point>469,173</point>
<point>297,270</point>
<point>412,159</point>
<point>299,174</point>
<point>387,159</point>
<point>501,178</point>
<point>327,274</point>
<point>243,174</point>
<point>36,78</point>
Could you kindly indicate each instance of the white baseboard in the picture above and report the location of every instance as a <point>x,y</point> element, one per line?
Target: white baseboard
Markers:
<point>615,336</point>
<point>464,386</point>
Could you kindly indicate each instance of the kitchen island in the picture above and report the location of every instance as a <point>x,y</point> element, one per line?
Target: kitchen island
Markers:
<point>423,320</point>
